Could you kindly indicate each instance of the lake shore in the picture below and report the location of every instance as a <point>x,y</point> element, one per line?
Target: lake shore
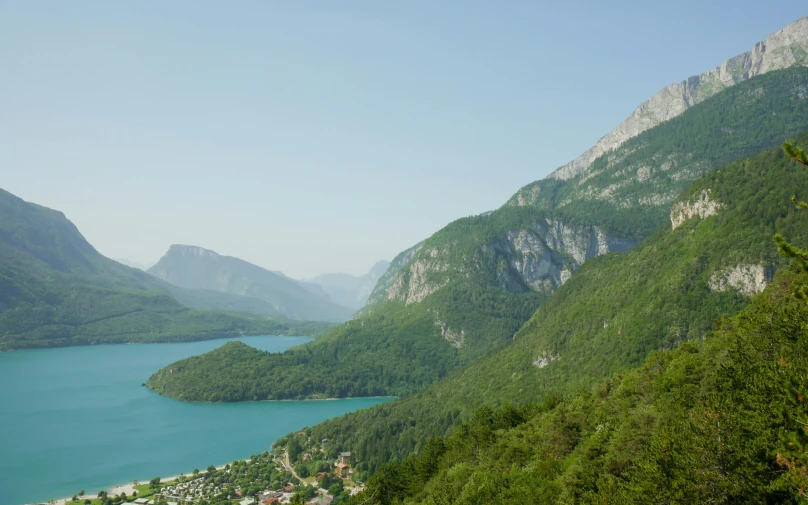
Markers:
<point>129,489</point>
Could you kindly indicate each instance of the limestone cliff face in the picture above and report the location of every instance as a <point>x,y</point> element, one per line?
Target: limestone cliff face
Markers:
<point>544,256</point>
<point>538,258</point>
<point>780,50</point>
<point>454,337</point>
<point>390,276</point>
<point>703,207</point>
<point>421,277</point>
<point>747,279</point>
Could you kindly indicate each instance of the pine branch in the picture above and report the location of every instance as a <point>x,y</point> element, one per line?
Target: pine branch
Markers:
<point>796,153</point>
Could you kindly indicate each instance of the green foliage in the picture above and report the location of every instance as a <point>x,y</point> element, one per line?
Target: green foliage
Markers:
<point>394,351</point>
<point>718,421</point>
<point>475,292</point>
<point>56,290</point>
<point>608,317</point>
<point>786,249</point>
<point>627,192</point>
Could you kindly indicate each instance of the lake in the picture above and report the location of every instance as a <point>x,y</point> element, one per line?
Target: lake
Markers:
<point>78,418</point>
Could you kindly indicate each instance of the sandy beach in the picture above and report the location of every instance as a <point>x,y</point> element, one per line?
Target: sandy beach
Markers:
<point>123,488</point>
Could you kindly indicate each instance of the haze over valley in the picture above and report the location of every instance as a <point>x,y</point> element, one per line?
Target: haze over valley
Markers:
<point>442,254</point>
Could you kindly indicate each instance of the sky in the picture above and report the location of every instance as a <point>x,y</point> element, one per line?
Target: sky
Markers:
<point>321,136</point>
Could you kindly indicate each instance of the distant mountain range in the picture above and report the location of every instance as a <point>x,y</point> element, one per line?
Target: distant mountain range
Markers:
<point>350,290</point>
<point>194,267</point>
<point>57,290</point>
<point>133,264</point>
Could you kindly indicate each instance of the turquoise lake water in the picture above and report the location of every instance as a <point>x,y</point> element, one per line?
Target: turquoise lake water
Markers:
<point>78,418</point>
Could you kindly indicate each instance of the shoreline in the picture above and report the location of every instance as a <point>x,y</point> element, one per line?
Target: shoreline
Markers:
<point>124,488</point>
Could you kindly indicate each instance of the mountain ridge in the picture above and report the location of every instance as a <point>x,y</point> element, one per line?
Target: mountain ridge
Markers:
<point>57,290</point>
<point>782,49</point>
<point>195,267</point>
<point>351,290</point>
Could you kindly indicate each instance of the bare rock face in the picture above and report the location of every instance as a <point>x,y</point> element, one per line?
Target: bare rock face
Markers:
<point>748,279</point>
<point>417,281</point>
<point>391,276</point>
<point>780,50</point>
<point>703,207</point>
<point>454,337</point>
<point>544,359</point>
<point>545,256</point>
<point>539,258</point>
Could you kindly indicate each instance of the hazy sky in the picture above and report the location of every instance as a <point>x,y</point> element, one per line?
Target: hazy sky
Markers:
<point>322,136</point>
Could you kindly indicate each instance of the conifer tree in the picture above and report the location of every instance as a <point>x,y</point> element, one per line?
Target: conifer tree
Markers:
<point>785,247</point>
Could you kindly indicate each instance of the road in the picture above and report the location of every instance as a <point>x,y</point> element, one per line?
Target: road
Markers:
<point>289,467</point>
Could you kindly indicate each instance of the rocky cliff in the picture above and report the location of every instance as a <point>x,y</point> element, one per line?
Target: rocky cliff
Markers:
<point>704,206</point>
<point>539,257</point>
<point>780,50</point>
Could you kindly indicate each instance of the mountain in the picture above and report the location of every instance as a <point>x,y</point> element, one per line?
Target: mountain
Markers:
<point>715,253</point>
<point>783,49</point>
<point>471,286</point>
<point>197,268</point>
<point>132,264</point>
<point>451,310</point>
<point>349,290</point>
<point>57,290</point>
<point>714,421</point>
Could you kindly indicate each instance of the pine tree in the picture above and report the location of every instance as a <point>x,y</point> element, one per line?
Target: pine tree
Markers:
<point>785,247</point>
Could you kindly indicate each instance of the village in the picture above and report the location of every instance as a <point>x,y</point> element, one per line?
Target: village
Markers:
<point>288,474</point>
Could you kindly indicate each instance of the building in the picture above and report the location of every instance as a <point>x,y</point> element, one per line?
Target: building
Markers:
<point>306,457</point>
<point>271,501</point>
<point>321,500</point>
<point>270,494</point>
<point>344,458</point>
<point>343,471</point>
<point>326,441</point>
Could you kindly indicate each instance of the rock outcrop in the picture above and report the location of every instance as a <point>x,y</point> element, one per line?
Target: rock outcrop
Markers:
<point>544,256</point>
<point>544,359</point>
<point>385,283</point>
<point>539,258</point>
<point>454,337</point>
<point>780,50</point>
<point>747,279</point>
<point>419,279</point>
<point>703,207</point>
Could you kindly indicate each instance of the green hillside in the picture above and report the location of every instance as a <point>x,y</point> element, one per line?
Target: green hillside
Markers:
<point>472,285</point>
<point>609,317</point>
<point>718,421</point>
<point>628,191</point>
<point>57,290</point>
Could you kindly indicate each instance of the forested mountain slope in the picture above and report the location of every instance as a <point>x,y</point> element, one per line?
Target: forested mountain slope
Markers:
<point>473,284</point>
<point>197,268</point>
<point>57,290</point>
<point>614,311</point>
<point>715,421</point>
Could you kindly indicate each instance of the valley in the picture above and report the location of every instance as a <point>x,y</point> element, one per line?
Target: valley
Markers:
<point>629,329</point>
